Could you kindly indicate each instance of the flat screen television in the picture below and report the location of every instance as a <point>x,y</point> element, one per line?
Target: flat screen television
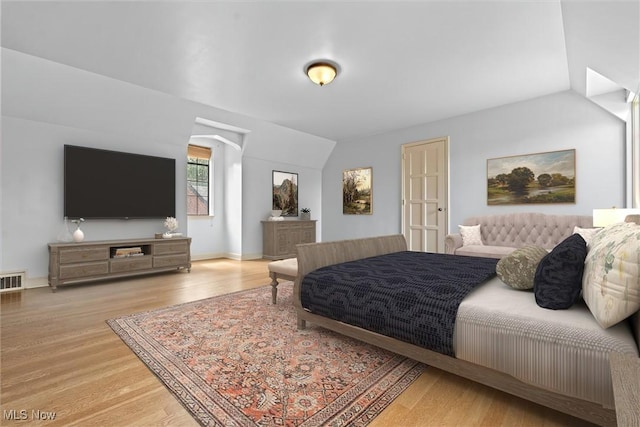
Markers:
<point>102,184</point>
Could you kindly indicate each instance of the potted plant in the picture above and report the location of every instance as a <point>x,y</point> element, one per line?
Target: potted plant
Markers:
<point>305,214</point>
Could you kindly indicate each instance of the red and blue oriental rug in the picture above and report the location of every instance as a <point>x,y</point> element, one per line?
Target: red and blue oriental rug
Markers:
<point>239,360</point>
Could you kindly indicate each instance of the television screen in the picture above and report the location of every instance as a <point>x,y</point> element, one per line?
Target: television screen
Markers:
<point>111,184</point>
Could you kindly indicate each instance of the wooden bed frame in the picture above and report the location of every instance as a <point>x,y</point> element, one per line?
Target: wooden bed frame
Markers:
<point>312,256</point>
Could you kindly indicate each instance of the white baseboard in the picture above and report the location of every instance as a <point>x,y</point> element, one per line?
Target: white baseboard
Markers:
<point>228,255</point>
<point>202,257</point>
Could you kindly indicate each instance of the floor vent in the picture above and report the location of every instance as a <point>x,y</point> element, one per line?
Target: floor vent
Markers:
<point>11,281</point>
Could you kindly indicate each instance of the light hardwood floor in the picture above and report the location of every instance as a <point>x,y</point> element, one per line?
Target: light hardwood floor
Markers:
<point>59,356</point>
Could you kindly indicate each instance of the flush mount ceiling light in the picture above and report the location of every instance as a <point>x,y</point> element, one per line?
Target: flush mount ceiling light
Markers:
<point>321,72</point>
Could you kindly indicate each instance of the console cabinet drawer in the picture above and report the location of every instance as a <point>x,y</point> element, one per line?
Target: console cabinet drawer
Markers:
<point>170,261</point>
<point>87,269</point>
<point>69,256</point>
<point>170,248</point>
<point>132,264</point>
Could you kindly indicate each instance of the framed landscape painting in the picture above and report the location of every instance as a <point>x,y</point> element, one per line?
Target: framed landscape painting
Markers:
<point>532,178</point>
<point>285,193</point>
<point>357,191</point>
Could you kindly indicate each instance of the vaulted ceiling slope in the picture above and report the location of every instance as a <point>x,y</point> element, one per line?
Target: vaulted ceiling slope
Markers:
<point>402,63</point>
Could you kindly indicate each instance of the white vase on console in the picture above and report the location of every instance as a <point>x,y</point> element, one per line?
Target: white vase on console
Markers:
<point>78,235</point>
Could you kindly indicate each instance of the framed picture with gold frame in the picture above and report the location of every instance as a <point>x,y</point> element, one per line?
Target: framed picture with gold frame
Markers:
<point>357,191</point>
<point>532,178</point>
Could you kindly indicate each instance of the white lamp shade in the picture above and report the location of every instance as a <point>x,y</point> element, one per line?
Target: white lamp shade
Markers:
<point>605,217</point>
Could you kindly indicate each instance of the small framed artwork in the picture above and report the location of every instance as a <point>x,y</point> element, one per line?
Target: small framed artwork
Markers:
<point>532,178</point>
<point>357,191</point>
<point>285,193</point>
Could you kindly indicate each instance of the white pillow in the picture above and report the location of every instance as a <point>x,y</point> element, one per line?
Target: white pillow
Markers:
<point>611,279</point>
<point>586,233</point>
<point>470,235</point>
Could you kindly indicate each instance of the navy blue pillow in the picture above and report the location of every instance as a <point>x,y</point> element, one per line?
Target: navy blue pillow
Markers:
<point>558,280</point>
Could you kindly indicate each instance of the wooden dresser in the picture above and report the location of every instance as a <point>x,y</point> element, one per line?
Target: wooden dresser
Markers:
<point>84,261</point>
<point>279,238</point>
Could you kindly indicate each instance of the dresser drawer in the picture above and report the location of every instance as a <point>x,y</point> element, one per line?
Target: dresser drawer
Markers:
<point>73,255</point>
<point>131,264</point>
<point>87,269</point>
<point>170,248</point>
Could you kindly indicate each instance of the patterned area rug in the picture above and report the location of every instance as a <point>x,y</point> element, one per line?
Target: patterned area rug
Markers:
<point>238,360</point>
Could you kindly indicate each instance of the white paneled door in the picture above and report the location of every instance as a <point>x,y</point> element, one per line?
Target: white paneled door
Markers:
<point>425,189</point>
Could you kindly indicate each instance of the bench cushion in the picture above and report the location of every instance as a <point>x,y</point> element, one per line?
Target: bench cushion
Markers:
<point>286,267</point>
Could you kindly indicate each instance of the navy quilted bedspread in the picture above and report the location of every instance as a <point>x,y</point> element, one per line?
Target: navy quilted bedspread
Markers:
<point>411,296</point>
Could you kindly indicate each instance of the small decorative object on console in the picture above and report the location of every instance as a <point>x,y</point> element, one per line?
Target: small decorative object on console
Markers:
<point>78,235</point>
<point>276,215</point>
<point>305,214</point>
<point>172,225</point>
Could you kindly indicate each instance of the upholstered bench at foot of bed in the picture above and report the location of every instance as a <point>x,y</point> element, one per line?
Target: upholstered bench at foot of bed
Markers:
<point>286,269</point>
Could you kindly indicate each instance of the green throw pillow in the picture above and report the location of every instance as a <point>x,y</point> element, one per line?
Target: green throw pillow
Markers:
<point>519,267</point>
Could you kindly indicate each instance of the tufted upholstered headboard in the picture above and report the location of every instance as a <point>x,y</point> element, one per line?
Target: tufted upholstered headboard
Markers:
<point>521,229</point>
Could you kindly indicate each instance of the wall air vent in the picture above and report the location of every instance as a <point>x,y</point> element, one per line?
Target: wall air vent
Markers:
<point>12,281</point>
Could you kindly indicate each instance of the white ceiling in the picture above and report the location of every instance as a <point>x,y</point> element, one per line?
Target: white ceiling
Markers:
<point>402,63</point>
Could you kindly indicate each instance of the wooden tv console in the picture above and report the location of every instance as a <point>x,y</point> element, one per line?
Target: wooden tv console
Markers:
<point>84,261</point>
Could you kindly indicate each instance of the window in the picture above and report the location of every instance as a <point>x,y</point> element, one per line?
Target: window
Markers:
<point>198,168</point>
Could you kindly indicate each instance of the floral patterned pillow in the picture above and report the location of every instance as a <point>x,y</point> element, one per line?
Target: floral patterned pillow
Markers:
<point>611,280</point>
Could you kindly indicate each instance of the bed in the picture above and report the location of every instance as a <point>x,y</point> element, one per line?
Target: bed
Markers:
<point>499,337</point>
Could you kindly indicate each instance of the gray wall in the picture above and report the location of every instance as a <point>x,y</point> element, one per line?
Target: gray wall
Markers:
<point>46,105</point>
<point>555,122</point>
